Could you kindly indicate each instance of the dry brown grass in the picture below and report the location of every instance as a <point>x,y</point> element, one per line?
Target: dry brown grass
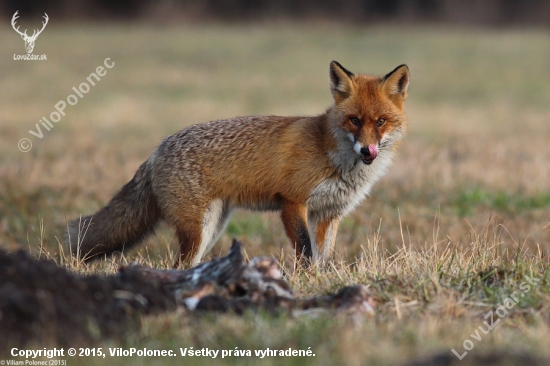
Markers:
<point>469,191</point>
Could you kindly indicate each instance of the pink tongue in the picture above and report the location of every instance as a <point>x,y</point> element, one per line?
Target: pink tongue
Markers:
<point>373,151</point>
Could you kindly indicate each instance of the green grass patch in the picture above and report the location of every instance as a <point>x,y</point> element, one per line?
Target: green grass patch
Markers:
<point>470,200</point>
<point>245,225</point>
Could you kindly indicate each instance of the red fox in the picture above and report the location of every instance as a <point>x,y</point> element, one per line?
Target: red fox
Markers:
<point>314,170</point>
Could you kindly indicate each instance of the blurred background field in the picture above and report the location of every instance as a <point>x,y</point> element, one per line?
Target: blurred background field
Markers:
<point>476,152</point>
<point>472,175</point>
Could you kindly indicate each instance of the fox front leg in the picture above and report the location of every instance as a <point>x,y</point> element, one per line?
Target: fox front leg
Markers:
<point>294,216</point>
<point>323,234</point>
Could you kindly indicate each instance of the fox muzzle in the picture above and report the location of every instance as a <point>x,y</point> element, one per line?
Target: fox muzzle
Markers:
<point>368,154</point>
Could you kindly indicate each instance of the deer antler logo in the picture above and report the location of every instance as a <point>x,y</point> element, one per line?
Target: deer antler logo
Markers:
<point>29,41</point>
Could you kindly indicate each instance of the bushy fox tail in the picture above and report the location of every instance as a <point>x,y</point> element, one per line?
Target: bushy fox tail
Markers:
<point>128,218</point>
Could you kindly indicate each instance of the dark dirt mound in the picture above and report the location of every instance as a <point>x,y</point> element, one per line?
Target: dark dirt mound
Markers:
<point>490,359</point>
<point>43,303</point>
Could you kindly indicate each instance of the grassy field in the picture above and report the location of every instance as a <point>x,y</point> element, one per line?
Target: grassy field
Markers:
<point>447,235</point>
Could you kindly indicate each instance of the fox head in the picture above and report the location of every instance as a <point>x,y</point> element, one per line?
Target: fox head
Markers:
<point>369,109</point>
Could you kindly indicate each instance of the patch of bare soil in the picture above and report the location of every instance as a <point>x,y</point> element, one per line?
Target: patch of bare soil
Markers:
<point>45,304</point>
<point>490,359</point>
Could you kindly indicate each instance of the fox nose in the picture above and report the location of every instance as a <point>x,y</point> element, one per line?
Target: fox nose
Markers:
<point>369,152</point>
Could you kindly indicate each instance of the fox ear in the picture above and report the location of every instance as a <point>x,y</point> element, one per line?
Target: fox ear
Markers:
<point>341,84</point>
<point>396,83</point>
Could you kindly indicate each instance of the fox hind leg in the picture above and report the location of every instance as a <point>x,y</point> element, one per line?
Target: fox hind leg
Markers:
<point>214,224</point>
<point>197,237</point>
<point>189,236</point>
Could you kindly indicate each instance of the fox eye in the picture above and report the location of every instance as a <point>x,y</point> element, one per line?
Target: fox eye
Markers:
<point>355,121</point>
<point>380,122</point>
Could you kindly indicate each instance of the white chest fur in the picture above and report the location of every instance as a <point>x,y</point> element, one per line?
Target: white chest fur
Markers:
<point>336,197</point>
